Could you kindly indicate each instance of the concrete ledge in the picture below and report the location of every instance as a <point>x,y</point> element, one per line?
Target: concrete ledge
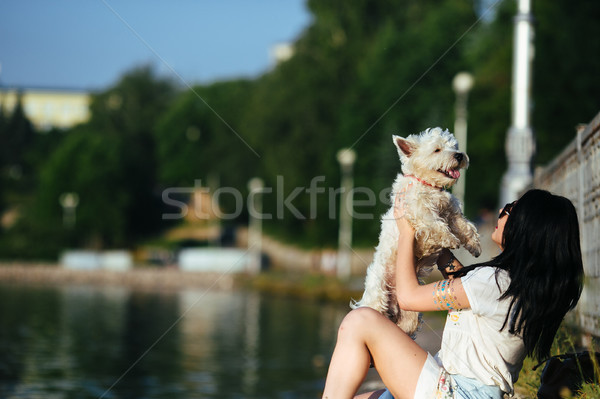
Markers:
<point>224,260</point>
<point>119,260</point>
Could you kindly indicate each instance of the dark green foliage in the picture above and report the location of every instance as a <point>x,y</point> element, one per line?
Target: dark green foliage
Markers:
<point>565,72</point>
<point>129,112</point>
<point>99,182</point>
<point>490,54</point>
<point>202,133</point>
<point>17,137</point>
<point>108,162</point>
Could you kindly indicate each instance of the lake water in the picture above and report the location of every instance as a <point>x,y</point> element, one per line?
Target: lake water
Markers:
<point>109,342</point>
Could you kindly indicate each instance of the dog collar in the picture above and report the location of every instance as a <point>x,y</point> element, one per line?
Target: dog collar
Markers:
<point>424,182</point>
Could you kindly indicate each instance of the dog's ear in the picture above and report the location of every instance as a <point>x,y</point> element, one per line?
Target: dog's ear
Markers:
<point>404,146</point>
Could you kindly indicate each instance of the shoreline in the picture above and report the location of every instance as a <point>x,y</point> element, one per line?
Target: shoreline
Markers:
<point>151,278</point>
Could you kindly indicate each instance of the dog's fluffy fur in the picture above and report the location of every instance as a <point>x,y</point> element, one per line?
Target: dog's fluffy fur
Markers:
<point>431,161</point>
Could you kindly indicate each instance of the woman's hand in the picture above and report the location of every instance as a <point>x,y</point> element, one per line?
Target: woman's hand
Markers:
<point>447,264</point>
<point>404,228</point>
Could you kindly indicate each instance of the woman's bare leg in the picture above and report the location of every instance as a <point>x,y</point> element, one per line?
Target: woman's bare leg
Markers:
<point>365,333</point>
<point>350,360</point>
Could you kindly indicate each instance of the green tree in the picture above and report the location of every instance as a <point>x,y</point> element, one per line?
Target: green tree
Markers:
<point>110,163</point>
<point>202,134</point>
<point>129,112</point>
<point>201,140</point>
<point>490,59</point>
<point>3,121</point>
<point>91,165</point>
<point>565,74</point>
<point>18,136</point>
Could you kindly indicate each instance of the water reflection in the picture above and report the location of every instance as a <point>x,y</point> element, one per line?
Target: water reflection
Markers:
<point>248,345</point>
<point>90,342</point>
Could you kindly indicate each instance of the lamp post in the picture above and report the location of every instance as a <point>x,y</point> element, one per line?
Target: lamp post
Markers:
<point>461,84</point>
<point>520,144</point>
<point>69,202</point>
<point>255,185</point>
<point>346,158</point>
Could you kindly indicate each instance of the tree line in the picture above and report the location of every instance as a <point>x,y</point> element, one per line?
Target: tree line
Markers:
<point>360,72</point>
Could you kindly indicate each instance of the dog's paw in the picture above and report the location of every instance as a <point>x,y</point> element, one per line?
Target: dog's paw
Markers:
<point>474,248</point>
<point>409,322</point>
<point>450,242</point>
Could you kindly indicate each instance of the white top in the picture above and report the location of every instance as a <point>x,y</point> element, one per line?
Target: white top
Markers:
<point>473,345</point>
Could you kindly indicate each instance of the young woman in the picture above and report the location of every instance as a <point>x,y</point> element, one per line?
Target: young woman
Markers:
<point>498,311</point>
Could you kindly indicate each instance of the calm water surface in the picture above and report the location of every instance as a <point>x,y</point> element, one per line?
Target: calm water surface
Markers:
<point>99,342</point>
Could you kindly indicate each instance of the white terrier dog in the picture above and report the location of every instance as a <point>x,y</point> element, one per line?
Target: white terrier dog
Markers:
<point>430,163</point>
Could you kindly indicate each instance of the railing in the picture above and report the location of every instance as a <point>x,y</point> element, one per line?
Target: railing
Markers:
<point>575,174</point>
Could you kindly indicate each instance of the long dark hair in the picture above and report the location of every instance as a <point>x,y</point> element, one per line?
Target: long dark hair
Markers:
<point>542,255</point>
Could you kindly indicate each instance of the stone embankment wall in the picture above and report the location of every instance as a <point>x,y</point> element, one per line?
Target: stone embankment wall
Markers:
<point>288,257</point>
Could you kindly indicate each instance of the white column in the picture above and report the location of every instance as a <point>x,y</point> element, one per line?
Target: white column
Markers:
<point>255,185</point>
<point>69,202</point>
<point>346,158</point>
<point>461,84</point>
<point>520,144</point>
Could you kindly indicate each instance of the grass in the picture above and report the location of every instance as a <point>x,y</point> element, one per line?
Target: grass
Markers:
<point>529,380</point>
<point>302,285</point>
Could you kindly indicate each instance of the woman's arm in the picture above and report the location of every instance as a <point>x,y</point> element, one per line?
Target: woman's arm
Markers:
<point>441,295</point>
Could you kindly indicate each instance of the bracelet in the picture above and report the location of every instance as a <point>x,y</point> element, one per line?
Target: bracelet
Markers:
<point>444,295</point>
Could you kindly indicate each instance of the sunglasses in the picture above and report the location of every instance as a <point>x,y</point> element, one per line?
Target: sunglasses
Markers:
<point>506,210</point>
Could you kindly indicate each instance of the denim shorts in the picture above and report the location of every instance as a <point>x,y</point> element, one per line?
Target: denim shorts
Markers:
<point>469,388</point>
<point>435,382</point>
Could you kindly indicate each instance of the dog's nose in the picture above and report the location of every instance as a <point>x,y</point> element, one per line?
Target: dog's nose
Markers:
<point>459,156</point>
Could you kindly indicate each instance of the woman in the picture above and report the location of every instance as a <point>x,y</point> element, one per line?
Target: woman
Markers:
<point>499,311</point>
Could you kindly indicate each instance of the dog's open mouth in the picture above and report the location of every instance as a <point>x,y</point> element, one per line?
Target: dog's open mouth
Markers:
<point>451,173</point>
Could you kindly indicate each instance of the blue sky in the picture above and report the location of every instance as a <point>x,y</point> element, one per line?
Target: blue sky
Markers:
<point>89,44</point>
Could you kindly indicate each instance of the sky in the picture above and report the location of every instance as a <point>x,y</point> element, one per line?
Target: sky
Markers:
<point>90,44</point>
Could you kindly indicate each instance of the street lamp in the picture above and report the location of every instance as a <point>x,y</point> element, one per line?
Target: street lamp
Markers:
<point>346,158</point>
<point>461,84</point>
<point>520,144</point>
<point>255,185</point>
<point>69,202</point>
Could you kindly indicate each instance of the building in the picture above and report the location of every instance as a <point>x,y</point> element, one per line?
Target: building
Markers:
<point>47,108</point>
